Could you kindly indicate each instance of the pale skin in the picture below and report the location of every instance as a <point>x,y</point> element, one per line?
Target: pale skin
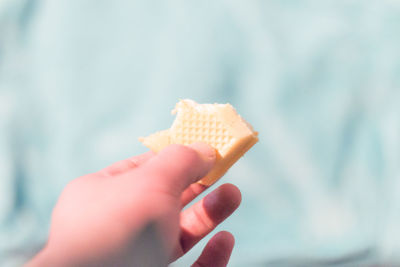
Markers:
<point>98,217</point>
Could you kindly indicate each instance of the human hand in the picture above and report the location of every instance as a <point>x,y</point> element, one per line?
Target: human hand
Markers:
<point>106,218</point>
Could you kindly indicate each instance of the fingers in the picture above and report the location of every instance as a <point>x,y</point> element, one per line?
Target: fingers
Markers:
<point>200,219</point>
<point>191,193</point>
<point>217,251</point>
<point>178,166</point>
<point>127,164</point>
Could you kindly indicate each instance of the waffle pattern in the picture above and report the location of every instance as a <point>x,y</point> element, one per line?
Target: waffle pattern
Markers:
<point>200,127</point>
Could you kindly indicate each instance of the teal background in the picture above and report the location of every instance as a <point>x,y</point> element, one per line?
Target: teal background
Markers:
<point>320,81</point>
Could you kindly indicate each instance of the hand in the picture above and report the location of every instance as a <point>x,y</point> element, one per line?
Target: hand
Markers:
<point>130,214</point>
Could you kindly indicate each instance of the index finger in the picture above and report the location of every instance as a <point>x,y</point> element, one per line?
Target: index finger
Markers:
<point>127,164</point>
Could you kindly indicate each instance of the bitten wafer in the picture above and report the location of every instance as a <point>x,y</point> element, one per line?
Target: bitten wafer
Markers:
<point>215,124</point>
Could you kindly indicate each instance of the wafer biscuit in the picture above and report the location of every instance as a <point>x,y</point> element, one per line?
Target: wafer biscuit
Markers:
<point>215,124</point>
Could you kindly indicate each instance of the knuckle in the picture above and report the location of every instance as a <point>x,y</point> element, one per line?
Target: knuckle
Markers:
<point>203,219</point>
<point>131,163</point>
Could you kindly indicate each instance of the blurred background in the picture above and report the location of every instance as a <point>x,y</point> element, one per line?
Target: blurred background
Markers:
<point>80,81</point>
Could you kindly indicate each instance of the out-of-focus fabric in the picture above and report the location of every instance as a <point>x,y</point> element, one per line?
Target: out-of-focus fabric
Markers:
<point>319,80</point>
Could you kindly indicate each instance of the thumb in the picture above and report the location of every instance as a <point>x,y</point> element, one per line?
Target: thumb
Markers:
<point>178,166</point>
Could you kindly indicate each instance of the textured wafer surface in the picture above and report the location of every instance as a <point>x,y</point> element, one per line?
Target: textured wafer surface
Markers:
<point>215,124</point>
<point>198,127</point>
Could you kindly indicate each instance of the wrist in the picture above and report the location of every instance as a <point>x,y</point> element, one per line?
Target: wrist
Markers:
<point>47,257</point>
<point>40,259</point>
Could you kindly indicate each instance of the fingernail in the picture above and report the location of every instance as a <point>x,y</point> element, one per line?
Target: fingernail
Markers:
<point>207,152</point>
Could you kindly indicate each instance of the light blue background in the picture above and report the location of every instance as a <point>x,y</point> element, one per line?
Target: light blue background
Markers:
<point>320,80</point>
